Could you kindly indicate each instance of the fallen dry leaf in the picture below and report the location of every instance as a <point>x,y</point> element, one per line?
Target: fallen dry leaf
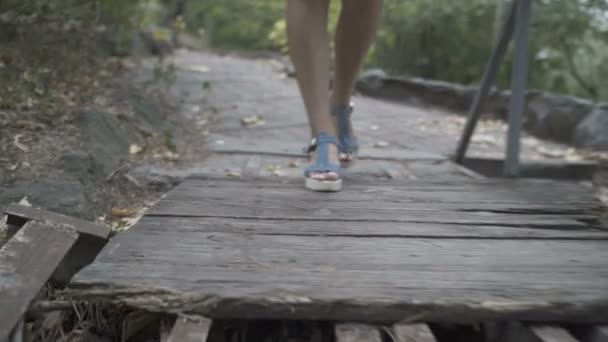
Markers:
<point>252,121</point>
<point>18,144</point>
<point>551,152</point>
<point>484,139</point>
<point>278,173</point>
<point>292,163</point>
<point>233,174</point>
<point>273,168</point>
<point>170,156</point>
<point>135,149</point>
<point>120,212</point>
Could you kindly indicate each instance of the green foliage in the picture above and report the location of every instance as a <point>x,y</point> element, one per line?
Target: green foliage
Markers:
<point>438,39</point>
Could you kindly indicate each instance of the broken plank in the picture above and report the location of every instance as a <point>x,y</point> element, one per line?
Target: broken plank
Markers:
<point>17,212</point>
<point>27,261</point>
<point>352,332</point>
<point>189,330</point>
<point>92,237</point>
<point>412,333</point>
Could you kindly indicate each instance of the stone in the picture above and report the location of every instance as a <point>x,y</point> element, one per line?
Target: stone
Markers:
<point>371,80</point>
<point>158,178</point>
<point>77,163</point>
<point>592,132</point>
<point>150,112</point>
<point>555,117</point>
<point>108,141</point>
<point>64,196</point>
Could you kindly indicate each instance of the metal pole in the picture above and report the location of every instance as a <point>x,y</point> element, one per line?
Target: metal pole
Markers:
<point>519,82</point>
<point>486,82</point>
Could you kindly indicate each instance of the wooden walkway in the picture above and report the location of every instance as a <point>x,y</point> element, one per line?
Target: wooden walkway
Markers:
<point>374,252</point>
<point>412,238</point>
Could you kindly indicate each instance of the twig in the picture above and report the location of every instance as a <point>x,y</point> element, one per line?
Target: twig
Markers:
<point>44,306</point>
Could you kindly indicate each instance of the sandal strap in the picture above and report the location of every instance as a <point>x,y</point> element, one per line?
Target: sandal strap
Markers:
<point>347,143</point>
<point>320,144</point>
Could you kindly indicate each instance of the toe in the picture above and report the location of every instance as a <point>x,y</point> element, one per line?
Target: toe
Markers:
<point>324,176</point>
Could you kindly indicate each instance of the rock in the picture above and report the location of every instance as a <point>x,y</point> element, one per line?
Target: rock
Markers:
<point>157,178</point>
<point>108,141</point>
<point>77,163</point>
<point>149,111</point>
<point>592,132</point>
<point>64,196</point>
<point>555,117</point>
<point>371,80</point>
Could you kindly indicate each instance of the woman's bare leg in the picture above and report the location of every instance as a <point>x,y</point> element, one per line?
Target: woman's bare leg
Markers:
<point>356,31</point>
<point>355,34</point>
<point>308,41</point>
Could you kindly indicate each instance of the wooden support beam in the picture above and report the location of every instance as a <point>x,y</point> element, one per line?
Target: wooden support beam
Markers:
<point>517,332</point>
<point>352,332</point>
<point>27,260</point>
<point>190,330</point>
<point>412,333</point>
<point>591,334</point>
<point>552,334</point>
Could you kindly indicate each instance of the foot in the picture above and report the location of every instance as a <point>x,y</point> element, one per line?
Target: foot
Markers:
<point>348,143</point>
<point>323,173</point>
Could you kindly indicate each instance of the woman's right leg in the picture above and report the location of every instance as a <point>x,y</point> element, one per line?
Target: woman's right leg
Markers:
<point>308,41</point>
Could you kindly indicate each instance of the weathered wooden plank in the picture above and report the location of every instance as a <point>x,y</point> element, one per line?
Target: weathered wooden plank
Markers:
<point>261,209</point>
<point>484,197</point>
<point>189,330</point>
<point>154,225</point>
<point>27,260</point>
<point>412,333</point>
<point>352,279</point>
<point>541,189</point>
<point>24,213</point>
<point>353,332</point>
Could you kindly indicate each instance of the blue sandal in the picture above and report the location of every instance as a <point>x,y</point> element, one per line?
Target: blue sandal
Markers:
<point>348,144</point>
<point>321,146</point>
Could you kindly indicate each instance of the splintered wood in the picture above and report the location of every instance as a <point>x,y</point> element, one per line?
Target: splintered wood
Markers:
<point>375,252</point>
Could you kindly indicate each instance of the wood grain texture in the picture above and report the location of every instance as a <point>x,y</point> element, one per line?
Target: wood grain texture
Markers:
<point>265,276</point>
<point>49,217</point>
<point>381,252</point>
<point>27,261</point>
<point>353,332</point>
<point>412,333</point>
<point>531,204</point>
<point>189,330</point>
<point>159,224</point>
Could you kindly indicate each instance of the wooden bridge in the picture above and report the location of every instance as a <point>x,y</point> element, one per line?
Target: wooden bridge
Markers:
<point>412,240</point>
